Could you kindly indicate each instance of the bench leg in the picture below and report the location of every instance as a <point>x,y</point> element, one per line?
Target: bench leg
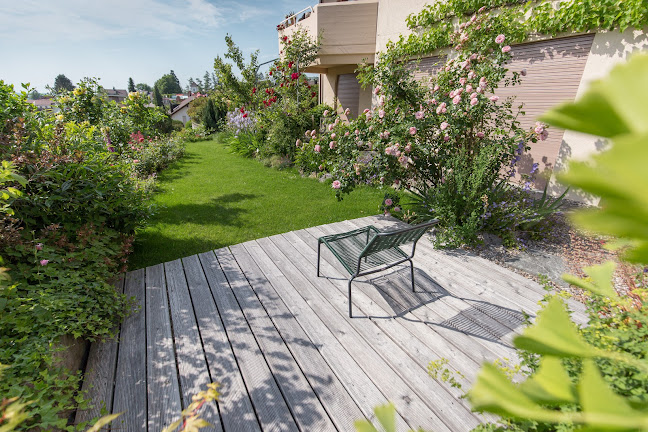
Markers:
<point>350,303</point>
<point>412,272</point>
<point>318,258</point>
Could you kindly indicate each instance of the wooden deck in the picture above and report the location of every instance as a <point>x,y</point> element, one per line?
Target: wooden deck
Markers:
<point>255,318</point>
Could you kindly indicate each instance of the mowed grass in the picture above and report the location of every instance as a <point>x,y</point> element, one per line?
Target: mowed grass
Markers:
<point>213,198</point>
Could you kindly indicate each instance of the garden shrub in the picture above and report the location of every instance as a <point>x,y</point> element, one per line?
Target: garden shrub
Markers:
<point>447,141</point>
<point>75,187</point>
<point>282,106</point>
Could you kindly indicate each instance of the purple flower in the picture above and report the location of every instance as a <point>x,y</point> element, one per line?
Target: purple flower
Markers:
<point>534,168</point>
<point>388,202</point>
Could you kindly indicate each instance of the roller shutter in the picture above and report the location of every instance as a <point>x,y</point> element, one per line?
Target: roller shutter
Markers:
<point>426,67</point>
<point>554,70</point>
<point>348,92</point>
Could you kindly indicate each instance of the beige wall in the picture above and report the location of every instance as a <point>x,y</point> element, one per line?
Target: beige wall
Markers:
<point>608,50</point>
<point>391,19</point>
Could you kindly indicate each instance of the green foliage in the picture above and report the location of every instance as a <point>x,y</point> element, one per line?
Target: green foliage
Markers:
<point>433,26</point>
<point>445,141</point>
<point>62,84</point>
<point>71,198</point>
<point>157,97</point>
<point>236,90</point>
<point>143,87</point>
<point>131,85</point>
<point>213,115</point>
<point>386,416</point>
<point>9,194</point>
<point>596,376</point>
<point>168,84</point>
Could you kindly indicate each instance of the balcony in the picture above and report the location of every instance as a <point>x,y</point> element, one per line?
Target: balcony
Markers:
<point>347,28</point>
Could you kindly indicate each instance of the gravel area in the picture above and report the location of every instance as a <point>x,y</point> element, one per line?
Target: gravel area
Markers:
<point>565,250</point>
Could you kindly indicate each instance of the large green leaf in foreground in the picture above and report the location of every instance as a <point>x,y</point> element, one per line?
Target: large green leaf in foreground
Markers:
<point>616,108</point>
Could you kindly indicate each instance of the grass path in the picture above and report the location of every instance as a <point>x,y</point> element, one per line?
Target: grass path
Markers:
<point>213,198</point>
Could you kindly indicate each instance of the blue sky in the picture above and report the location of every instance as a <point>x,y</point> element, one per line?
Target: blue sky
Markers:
<point>143,39</point>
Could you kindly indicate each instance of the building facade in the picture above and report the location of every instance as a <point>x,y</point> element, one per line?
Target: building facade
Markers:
<point>558,69</point>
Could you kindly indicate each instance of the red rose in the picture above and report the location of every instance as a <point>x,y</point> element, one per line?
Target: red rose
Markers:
<point>294,75</point>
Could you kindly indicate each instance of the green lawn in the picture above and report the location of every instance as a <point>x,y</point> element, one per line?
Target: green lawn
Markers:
<point>213,198</point>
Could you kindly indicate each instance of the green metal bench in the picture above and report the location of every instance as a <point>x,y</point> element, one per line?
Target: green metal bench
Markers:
<point>368,250</point>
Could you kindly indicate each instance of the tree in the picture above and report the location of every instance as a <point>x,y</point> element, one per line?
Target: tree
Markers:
<point>235,89</point>
<point>207,83</point>
<point>175,79</point>
<point>157,97</point>
<point>143,87</point>
<point>34,94</point>
<point>212,115</point>
<point>131,85</point>
<point>62,83</point>
<point>168,84</point>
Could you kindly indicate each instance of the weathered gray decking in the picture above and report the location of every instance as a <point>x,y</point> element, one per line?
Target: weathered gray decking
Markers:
<point>255,318</point>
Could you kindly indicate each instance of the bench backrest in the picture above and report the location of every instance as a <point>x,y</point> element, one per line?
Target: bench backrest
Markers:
<point>390,239</point>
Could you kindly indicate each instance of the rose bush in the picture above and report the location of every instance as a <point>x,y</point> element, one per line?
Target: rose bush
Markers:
<point>448,141</point>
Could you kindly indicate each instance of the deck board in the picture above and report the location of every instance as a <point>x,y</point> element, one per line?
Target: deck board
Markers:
<point>256,319</point>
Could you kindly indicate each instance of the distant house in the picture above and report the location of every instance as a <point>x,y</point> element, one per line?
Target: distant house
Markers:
<point>193,87</point>
<point>43,104</point>
<point>117,95</point>
<point>180,111</point>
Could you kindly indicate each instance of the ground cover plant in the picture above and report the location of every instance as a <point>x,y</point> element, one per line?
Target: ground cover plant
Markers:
<point>214,198</point>
<point>76,187</point>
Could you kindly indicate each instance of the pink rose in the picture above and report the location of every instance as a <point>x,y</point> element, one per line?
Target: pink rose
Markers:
<point>135,160</point>
<point>474,101</point>
<point>446,138</point>
<point>330,127</point>
<point>388,202</point>
<point>376,90</point>
<point>313,133</point>
<point>317,148</point>
<point>397,209</point>
<point>444,125</point>
<point>408,148</point>
<point>500,38</point>
<point>307,134</point>
<point>298,143</point>
<point>473,95</point>
<point>332,145</point>
<point>321,167</point>
<point>436,87</point>
<point>366,110</point>
<point>471,75</point>
<point>479,90</point>
<point>480,134</point>
<point>386,134</point>
<point>456,99</point>
<point>381,113</point>
<point>336,184</point>
<point>325,113</point>
<point>494,98</point>
<point>419,115</point>
<point>346,133</point>
<point>412,130</point>
<point>469,88</point>
<point>333,135</point>
<point>347,112</point>
<point>462,81</point>
<point>44,262</point>
<point>39,246</point>
<point>506,49</point>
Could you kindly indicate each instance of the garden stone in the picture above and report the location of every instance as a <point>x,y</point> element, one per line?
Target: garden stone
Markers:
<point>537,261</point>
